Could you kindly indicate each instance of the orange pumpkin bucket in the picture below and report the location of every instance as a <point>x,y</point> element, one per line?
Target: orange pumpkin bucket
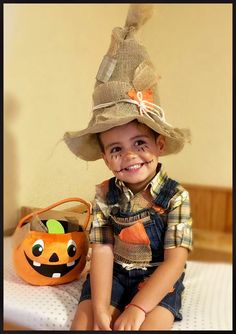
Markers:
<point>51,247</point>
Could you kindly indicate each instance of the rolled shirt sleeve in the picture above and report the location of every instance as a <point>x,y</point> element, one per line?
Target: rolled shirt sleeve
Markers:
<point>179,222</point>
<point>101,231</point>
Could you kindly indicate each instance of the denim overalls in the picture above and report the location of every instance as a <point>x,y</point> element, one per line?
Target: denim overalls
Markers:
<point>139,259</point>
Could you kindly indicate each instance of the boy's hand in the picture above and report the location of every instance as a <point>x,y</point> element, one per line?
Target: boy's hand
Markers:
<point>131,319</point>
<point>102,321</point>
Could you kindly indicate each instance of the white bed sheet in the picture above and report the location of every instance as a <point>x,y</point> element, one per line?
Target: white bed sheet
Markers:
<point>207,298</point>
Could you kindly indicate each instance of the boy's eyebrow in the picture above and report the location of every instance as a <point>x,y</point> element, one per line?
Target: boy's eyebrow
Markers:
<point>112,144</point>
<point>140,136</point>
<point>132,138</point>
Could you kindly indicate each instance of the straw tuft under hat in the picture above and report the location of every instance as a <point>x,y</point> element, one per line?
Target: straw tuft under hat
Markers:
<point>125,90</point>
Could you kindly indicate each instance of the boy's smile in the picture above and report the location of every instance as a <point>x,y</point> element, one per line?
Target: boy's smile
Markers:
<point>135,167</point>
<point>131,152</point>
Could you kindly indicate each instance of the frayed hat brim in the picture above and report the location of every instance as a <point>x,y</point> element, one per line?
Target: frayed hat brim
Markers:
<point>84,144</point>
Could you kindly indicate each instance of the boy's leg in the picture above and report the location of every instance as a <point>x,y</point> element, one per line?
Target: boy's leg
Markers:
<point>83,319</point>
<point>158,319</point>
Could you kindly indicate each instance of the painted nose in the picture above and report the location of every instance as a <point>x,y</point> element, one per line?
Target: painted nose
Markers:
<point>54,258</point>
<point>130,154</point>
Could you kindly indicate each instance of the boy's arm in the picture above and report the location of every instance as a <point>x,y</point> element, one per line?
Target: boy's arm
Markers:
<point>101,284</point>
<point>162,280</point>
<point>155,289</point>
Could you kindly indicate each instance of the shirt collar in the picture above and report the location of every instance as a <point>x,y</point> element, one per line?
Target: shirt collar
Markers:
<point>155,184</point>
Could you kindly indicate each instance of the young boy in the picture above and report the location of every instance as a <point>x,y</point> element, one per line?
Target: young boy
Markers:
<point>141,231</point>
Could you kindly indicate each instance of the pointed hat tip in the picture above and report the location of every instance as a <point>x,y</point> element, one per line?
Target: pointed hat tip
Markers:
<point>138,14</point>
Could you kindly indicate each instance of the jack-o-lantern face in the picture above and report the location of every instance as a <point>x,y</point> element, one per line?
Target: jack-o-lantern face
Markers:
<point>51,258</point>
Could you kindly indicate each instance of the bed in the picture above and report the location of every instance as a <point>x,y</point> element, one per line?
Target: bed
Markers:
<point>207,298</point>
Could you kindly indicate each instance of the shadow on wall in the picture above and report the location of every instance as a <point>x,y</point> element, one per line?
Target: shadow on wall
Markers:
<point>11,165</point>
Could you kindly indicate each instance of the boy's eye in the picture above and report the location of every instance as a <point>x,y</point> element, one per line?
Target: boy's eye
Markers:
<point>139,142</point>
<point>115,149</point>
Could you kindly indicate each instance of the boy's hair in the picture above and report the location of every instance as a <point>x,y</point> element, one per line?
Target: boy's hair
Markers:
<point>156,135</point>
<point>100,143</point>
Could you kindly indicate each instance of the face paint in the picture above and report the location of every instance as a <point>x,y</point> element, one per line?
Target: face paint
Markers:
<point>131,153</point>
<point>115,156</point>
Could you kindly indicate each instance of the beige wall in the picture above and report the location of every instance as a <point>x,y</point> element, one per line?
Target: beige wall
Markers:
<point>51,56</point>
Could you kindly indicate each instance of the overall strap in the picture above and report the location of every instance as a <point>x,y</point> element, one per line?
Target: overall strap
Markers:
<point>166,192</point>
<point>114,192</point>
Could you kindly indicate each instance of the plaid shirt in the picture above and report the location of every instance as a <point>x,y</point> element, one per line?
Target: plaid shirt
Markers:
<point>178,218</point>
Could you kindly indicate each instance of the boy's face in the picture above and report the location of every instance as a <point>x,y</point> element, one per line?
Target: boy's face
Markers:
<point>131,152</point>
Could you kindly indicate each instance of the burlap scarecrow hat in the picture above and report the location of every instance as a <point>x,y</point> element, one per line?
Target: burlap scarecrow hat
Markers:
<point>125,90</point>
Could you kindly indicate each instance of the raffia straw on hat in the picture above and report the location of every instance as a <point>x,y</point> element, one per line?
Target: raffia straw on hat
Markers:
<point>126,88</point>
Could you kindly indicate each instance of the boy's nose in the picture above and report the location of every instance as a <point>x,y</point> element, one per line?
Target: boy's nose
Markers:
<point>129,154</point>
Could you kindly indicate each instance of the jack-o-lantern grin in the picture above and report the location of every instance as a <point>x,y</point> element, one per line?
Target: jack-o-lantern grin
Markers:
<point>52,270</point>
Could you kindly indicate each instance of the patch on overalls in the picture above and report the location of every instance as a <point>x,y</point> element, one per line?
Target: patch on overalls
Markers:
<point>135,234</point>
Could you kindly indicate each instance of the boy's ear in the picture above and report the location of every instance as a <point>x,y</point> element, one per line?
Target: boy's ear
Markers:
<point>161,144</point>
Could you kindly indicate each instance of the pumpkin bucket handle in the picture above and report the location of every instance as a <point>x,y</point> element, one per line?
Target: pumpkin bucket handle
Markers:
<point>65,200</point>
